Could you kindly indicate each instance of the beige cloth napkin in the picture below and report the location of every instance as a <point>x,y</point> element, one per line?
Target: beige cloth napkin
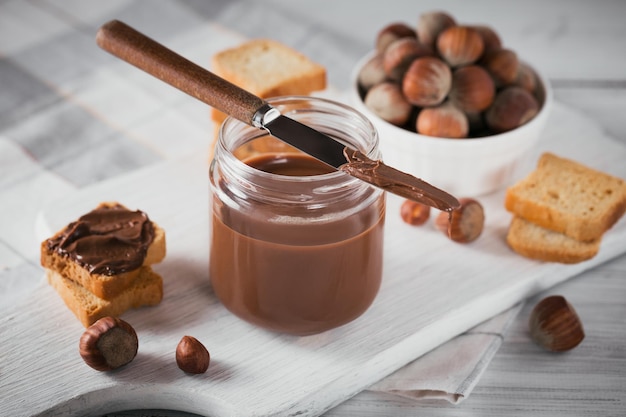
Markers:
<point>451,371</point>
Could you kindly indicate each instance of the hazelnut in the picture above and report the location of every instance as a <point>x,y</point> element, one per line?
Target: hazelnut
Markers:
<point>414,213</point>
<point>372,73</point>
<point>444,121</point>
<point>472,89</point>
<point>526,78</point>
<point>191,356</point>
<point>460,45</point>
<point>554,324</point>
<point>430,25</point>
<point>511,108</point>
<point>503,66</point>
<point>491,40</point>
<point>464,224</point>
<point>387,102</point>
<point>393,32</point>
<point>400,54</point>
<point>108,344</point>
<point>427,82</point>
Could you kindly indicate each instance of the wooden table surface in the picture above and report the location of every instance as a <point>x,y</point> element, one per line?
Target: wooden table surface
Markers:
<point>580,46</point>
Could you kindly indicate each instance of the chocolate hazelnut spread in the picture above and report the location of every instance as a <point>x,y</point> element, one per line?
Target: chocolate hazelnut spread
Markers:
<point>276,268</point>
<point>375,172</point>
<point>108,240</point>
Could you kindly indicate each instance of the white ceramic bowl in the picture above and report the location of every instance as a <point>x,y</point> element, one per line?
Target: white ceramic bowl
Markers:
<point>463,167</point>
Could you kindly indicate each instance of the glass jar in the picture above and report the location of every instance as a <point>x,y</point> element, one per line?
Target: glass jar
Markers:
<point>295,247</point>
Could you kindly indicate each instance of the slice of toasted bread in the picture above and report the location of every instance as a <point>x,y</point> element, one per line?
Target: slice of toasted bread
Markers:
<point>145,290</point>
<point>567,197</point>
<point>266,68</point>
<point>536,242</point>
<point>101,285</point>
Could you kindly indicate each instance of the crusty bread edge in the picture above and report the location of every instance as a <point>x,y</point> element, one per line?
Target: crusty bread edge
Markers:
<point>547,217</point>
<point>133,297</point>
<point>546,253</point>
<point>315,78</point>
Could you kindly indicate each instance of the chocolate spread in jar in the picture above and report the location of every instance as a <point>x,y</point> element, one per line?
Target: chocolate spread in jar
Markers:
<point>296,277</point>
<point>108,240</point>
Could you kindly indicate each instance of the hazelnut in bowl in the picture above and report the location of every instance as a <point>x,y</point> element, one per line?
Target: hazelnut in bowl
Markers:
<point>451,104</point>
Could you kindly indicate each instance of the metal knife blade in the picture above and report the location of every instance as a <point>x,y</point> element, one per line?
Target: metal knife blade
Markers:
<point>301,136</point>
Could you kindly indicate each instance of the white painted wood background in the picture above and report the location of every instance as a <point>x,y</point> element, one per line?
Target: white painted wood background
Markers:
<point>581,46</point>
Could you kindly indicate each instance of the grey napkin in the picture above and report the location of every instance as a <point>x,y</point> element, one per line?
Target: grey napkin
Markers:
<point>451,371</point>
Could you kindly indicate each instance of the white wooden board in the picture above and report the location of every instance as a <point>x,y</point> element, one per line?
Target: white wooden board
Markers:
<point>433,289</point>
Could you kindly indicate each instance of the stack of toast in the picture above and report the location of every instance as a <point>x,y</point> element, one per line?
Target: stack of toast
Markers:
<point>562,209</point>
<point>100,264</point>
<point>266,68</point>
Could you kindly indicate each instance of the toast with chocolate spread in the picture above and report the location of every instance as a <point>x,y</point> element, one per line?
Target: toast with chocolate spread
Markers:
<point>104,249</point>
<point>100,264</point>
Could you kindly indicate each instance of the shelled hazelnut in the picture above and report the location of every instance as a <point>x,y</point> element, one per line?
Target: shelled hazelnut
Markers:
<point>414,213</point>
<point>460,45</point>
<point>430,25</point>
<point>427,82</point>
<point>473,89</point>
<point>503,66</point>
<point>464,224</point>
<point>554,324</point>
<point>491,40</point>
<point>443,61</point>
<point>512,107</point>
<point>108,344</point>
<point>444,121</point>
<point>400,54</point>
<point>526,78</point>
<point>387,102</point>
<point>372,73</point>
<point>192,356</point>
<point>391,33</point>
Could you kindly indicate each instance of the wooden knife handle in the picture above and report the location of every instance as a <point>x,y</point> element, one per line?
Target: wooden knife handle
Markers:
<point>145,53</point>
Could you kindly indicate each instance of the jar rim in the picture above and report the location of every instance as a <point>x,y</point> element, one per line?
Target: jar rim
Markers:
<point>316,105</point>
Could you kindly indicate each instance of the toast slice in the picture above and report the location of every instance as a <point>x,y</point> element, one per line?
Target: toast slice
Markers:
<point>567,197</point>
<point>145,290</point>
<point>536,242</point>
<point>103,285</point>
<point>267,68</point>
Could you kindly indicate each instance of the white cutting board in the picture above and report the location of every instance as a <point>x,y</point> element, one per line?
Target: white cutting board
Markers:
<point>433,290</point>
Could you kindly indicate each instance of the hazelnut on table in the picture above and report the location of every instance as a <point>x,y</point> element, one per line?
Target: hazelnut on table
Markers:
<point>555,325</point>
<point>191,356</point>
<point>108,344</point>
<point>464,224</point>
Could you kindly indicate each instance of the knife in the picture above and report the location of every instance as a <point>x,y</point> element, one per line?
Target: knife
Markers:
<point>154,58</point>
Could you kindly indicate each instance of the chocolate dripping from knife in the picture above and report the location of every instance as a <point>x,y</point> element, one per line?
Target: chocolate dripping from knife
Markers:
<point>150,56</point>
<point>375,172</point>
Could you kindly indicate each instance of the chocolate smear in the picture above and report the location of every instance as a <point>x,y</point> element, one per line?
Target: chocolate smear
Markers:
<point>397,182</point>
